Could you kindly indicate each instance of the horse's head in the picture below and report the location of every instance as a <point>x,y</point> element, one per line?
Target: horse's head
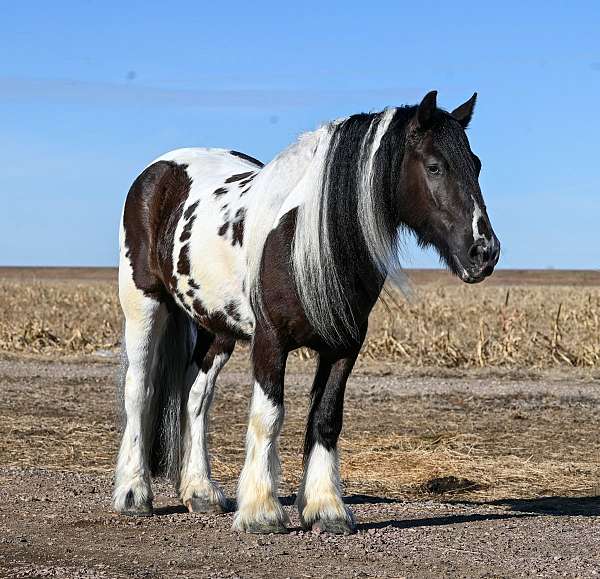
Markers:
<point>443,202</point>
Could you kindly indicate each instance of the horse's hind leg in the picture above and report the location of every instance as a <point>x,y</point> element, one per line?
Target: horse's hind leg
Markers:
<point>320,497</point>
<point>144,323</point>
<point>196,489</point>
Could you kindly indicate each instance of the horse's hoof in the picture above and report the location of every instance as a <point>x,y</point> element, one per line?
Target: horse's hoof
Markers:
<point>334,526</point>
<point>201,505</point>
<point>132,510</point>
<point>265,527</point>
<point>145,510</point>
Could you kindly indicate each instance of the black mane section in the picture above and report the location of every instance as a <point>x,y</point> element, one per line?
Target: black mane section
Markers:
<point>387,171</point>
<point>341,196</point>
<point>340,211</point>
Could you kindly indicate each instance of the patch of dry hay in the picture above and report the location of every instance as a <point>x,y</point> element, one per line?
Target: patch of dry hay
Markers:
<point>59,318</point>
<point>392,466</point>
<point>465,327</point>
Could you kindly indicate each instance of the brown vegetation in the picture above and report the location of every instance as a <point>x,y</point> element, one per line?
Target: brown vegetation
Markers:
<point>443,324</point>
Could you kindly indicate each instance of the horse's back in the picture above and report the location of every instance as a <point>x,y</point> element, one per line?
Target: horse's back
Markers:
<point>183,229</point>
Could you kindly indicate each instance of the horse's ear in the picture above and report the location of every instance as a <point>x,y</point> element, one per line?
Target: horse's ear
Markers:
<point>426,109</point>
<point>464,112</point>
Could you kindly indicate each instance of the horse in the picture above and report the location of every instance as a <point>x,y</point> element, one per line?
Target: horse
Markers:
<point>216,247</point>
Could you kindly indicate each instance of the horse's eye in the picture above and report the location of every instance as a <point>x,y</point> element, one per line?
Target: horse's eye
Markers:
<point>433,169</point>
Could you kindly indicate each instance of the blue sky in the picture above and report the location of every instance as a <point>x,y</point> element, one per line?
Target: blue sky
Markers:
<point>90,91</point>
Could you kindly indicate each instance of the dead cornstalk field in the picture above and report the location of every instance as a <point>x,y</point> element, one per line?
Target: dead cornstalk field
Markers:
<point>440,324</point>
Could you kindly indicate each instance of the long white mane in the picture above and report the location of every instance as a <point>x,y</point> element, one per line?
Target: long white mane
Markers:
<point>303,177</point>
<point>281,185</point>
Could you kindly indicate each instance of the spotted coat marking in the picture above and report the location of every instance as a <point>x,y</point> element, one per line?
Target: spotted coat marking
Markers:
<point>205,262</point>
<point>238,177</point>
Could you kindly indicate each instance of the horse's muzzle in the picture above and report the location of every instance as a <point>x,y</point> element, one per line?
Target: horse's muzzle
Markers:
<point>482,258</point>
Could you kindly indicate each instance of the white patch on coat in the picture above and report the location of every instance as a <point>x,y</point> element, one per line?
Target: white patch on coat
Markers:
<point>216,265</point>
<point>144,324</point>
<point>320,494</point>
<point>195,480</point>
<point>371,227</point>
<point>257,500</point>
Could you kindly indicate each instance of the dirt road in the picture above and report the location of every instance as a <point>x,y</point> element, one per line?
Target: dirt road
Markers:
<point>523,454</point>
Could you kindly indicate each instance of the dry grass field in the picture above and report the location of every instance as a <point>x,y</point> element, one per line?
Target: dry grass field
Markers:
<point>536,320</point>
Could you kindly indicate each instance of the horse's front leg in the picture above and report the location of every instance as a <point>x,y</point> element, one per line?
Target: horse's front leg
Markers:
<point>259,509</point>
<point>196,489</point>
<point>320,496</point>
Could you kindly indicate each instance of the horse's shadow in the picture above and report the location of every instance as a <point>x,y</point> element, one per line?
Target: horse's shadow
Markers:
<point>557,506</point>
<point>170,510</point>
<point>583,506</point>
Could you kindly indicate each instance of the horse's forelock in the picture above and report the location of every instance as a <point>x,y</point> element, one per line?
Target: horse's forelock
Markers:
<point>450,139</point>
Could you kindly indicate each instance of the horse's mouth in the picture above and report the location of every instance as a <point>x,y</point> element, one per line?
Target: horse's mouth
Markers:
<point>471,276</point>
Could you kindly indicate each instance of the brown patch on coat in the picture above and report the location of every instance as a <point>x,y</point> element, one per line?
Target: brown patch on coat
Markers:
<point>242,184</point>
<point>187,230</point>
<point>231,309</point>
<point>183,264</point>
<point>153,208</point>
<point>191,210</point>
<point>223,229</point>
<point>237,237</point>
<point>216,322</point>
<point>220,191</point>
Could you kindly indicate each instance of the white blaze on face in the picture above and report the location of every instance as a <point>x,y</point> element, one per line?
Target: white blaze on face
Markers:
<point>477,214</point>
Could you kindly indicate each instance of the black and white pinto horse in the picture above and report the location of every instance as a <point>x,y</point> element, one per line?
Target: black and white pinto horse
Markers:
<point>216,247</point>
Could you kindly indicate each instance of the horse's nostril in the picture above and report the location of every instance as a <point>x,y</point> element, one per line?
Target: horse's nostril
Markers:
<point>476,252</point>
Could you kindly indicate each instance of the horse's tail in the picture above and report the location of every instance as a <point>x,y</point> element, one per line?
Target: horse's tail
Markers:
<point>173,376</point>
<point>173,373</point>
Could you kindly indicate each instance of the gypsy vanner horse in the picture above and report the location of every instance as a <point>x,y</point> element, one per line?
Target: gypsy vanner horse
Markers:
<point>216,247</point>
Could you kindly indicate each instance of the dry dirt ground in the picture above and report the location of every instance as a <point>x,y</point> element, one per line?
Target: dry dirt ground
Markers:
<point>448,476</point>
